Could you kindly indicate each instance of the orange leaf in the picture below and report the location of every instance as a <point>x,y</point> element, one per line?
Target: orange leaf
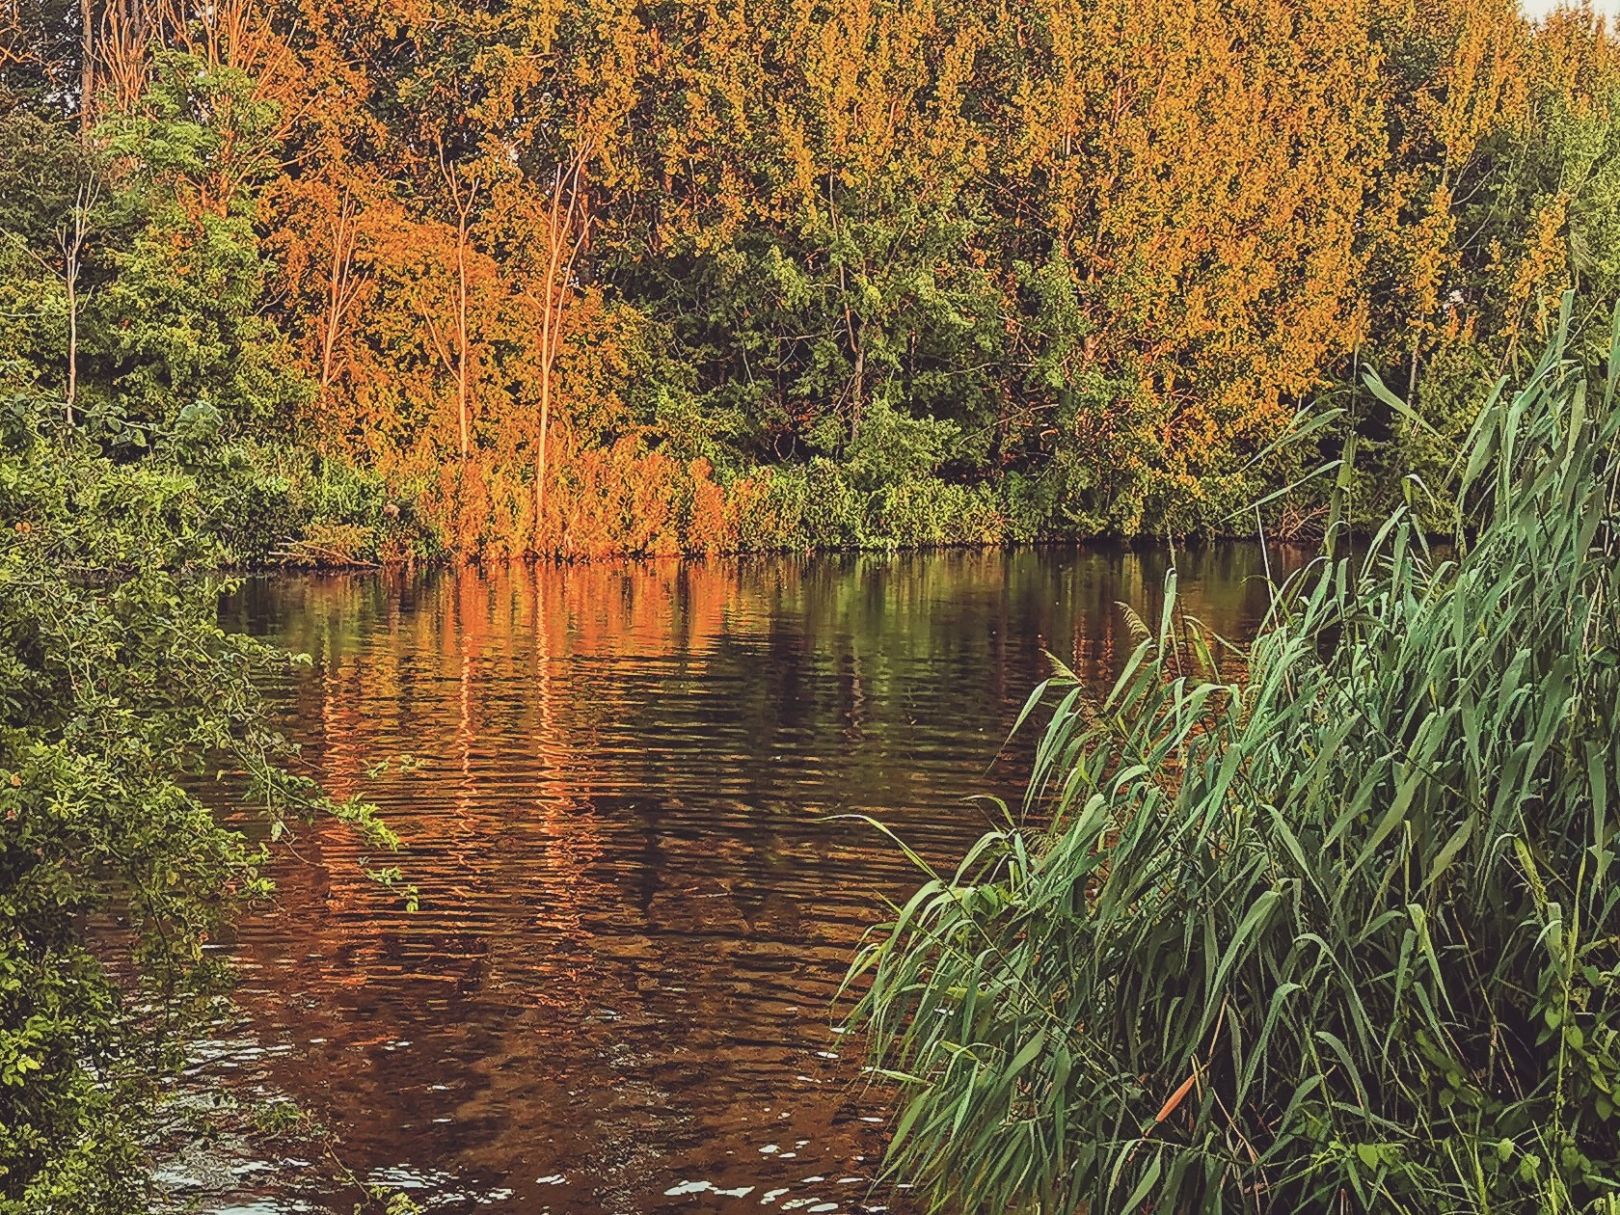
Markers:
<point>1169,1107</point>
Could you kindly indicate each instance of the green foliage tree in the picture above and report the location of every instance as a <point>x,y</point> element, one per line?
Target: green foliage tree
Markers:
<point>179,323</point>
<point>1500,192</point>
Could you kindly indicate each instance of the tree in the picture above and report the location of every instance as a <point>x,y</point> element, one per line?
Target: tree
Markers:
<point>567,226</point>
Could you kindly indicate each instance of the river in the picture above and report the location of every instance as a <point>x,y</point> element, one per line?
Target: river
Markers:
<point>626,792</point>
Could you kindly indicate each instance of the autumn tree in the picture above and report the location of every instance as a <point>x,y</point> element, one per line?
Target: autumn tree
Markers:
<point>580,276</point>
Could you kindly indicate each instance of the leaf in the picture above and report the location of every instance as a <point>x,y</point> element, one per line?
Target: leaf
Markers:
<point>1175,1098</point>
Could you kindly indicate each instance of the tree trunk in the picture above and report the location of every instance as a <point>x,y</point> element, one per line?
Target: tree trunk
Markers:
<point>73,339</point>
<point>340,289</point>
<point>461,335</point>
<point>87,70</point>
<point>71,238</point>
<point>540,460</point>
<point>566,228</point>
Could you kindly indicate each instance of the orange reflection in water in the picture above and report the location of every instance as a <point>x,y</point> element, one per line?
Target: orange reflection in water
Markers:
<point>636,907</point>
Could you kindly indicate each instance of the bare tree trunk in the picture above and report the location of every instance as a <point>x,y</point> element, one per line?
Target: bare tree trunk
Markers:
<point>87,70</point>
<point>540,459</point>
<point>73,340</point>
<point>71,238</point>
<point>461,332</point>
<point>125,31</point>
<point>463,197</point>
<point>567,226</point>
<point>340,289</point>
<point>857,384</point>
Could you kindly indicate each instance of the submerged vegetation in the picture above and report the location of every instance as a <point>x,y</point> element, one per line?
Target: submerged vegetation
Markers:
<point>1341,934</point>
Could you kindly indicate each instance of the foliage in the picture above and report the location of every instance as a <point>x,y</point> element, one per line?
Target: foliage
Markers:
<point>269,503</point>
<point>1502,193</point>
<point>1338,934</point>
<point>1084,258</point>
<point>118,691</point>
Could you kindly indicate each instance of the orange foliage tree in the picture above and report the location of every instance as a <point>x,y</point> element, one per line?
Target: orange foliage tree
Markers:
<point>608,276</point>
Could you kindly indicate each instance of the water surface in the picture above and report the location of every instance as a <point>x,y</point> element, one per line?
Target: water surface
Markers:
<point>619,786</point>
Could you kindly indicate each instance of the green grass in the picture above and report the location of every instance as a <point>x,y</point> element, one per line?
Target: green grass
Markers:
<point>1341,934</point>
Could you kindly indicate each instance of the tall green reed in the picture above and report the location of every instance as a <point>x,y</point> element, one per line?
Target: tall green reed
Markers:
<point>1339,934</point>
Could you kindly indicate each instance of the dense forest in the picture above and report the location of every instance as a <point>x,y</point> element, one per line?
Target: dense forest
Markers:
<point>522,278</point>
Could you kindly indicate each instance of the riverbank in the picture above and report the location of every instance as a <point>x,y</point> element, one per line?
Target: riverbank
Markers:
<point>332,517</point>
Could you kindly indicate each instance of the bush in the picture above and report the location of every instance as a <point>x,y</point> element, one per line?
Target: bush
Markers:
<point>1026,505</point>
<point>924,512</point>
<point>251,505</point>
<point>834,513</point>
<point>119,694</point>
<point>1344,934</point>
<point>272,504</point>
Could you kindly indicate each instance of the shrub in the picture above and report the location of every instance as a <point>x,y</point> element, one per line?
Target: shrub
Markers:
<point>1026,504</point>
<point>251,501</point>
<point>834,510</point>
<point>270,503</point>
<point>1341,935</point>
<point>119,695</point>
<point>767,508</point>
<point>924,512</point>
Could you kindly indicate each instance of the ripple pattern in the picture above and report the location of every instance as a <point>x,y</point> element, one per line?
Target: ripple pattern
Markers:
<point>630,796</point>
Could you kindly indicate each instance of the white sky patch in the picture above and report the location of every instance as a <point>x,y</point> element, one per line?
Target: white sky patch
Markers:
<point>1540,8</point>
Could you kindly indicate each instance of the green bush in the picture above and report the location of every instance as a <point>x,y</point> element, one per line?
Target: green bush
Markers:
<point>1025,504</point>
<point>924,512</point>
<point>119,694</point>
<point>816,506</point>
<point>834,510</point>
<point>269,503</point>
<point>775,522</point>
<point>250,502</point>
<point>1342,934</point>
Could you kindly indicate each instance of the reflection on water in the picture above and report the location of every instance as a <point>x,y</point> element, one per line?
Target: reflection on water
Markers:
<point>635,906</point>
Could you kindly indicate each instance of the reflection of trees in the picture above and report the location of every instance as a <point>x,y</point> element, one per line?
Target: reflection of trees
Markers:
<point>781,682</point>
<point>820,683</point>
<point>614,830</point>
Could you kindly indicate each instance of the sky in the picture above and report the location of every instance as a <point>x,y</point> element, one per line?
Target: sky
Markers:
<point>1538,7</point>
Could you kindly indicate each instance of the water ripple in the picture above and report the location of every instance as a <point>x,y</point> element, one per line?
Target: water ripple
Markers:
<point>627,794</point>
